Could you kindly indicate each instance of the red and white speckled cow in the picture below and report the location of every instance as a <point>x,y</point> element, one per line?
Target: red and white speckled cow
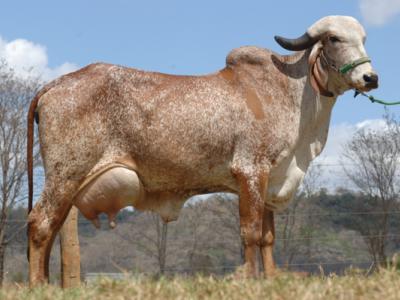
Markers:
<point>113,136</point>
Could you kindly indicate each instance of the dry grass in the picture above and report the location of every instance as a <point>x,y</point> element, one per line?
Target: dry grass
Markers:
<point>383,286</point>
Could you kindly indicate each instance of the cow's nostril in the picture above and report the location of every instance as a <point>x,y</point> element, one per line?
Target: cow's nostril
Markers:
<point>370,78</point>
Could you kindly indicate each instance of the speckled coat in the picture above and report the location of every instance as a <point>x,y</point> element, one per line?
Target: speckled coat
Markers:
<point>251,128</point>
<point>183,135</point>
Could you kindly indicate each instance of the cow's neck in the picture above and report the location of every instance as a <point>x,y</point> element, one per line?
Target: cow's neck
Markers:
<point>314,109</point>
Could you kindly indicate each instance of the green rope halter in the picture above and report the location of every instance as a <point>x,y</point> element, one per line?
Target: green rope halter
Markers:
<point>347,67</point>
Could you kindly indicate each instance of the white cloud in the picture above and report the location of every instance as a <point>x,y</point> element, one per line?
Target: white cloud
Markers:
<point>342,133</point>
<point>379,12</point>
<point>28,58</point>
<point>330,159</point>
<point>65,68</point>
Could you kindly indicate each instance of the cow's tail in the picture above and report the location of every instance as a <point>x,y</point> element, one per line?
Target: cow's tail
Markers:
<point>30,139</point>
<point>29,154</point>
<point>32,114</point>
<point>29,148</point>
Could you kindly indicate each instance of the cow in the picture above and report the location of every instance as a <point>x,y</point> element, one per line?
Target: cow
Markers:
<point>113,136</point>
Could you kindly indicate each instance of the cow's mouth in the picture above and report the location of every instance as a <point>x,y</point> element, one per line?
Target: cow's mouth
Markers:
<point>371,85</point>
<point>367,87</point>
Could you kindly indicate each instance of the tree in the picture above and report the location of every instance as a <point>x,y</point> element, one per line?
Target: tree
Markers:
<point>225,207</point>
<point>197,243</point>
<point>290,247</point>
<point>298,228</point>
<point>15,96</point>
<point>374,155</point>
<point>151,241</point>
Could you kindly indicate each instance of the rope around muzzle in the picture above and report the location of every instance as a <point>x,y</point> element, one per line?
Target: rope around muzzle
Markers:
<point>347,67</point>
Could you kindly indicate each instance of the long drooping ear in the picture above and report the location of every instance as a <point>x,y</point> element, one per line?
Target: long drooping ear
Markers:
<point>318,75</point>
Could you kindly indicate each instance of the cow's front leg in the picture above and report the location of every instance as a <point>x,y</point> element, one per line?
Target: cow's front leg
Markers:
<point>267,242</point>
<point>251,208</point>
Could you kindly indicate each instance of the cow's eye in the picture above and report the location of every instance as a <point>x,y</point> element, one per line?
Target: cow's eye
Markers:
<point>334,39</point>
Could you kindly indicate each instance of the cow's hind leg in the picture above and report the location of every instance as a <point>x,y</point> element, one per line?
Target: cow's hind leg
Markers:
<point>70,252</point>
<point>45,221</point>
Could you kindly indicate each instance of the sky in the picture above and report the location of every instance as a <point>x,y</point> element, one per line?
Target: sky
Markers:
<point>51,38</point>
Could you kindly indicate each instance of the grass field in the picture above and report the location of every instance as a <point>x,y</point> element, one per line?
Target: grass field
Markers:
<point>383,286</point>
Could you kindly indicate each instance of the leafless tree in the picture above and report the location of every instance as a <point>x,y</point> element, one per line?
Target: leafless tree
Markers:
<point>309,188</point>
<point>289,222</point>
<point>15,96</point>
<point>226,209</point>
<point>161,241</point>
<point>374,156</point>
<point>297,219</point>
<point>194,222</point>
<point>198,243</point>
<point>152,241</point>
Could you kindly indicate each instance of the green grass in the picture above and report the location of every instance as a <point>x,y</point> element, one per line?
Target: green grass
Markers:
<point>384,285</point>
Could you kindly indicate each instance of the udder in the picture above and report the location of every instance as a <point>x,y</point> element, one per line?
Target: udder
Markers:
<point>108,193</point>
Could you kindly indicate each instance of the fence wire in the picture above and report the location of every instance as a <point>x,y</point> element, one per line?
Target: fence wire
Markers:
<point>308,265</point>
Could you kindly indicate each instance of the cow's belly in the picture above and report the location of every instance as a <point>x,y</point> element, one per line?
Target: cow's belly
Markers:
<point>283,183</point>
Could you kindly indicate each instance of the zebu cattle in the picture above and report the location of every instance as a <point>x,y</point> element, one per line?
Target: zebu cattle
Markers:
<point>113,136</point>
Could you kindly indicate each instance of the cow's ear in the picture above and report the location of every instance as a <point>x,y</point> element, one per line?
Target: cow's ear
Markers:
<point>318,75</point>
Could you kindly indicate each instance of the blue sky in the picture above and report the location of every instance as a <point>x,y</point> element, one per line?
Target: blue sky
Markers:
<point>192,37</point>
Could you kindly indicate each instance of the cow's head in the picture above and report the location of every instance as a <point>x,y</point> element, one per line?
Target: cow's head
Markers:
<point>338,60</point>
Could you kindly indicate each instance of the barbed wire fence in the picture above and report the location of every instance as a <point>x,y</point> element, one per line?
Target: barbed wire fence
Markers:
<point>313,266</point>
<point>317,266</point>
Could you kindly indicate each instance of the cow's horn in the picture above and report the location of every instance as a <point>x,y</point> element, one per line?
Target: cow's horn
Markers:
<point>301,43</point>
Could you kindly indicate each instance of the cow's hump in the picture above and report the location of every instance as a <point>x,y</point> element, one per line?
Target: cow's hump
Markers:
<point>248,55</point>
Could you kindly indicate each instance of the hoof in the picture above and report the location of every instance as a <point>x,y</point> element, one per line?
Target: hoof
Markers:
<point>96,223</point>
<point>112,224</point>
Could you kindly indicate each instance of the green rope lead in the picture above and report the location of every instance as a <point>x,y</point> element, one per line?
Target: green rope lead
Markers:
<point>373,99</point>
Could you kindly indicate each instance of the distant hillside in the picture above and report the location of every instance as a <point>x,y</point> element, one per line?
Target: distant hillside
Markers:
<point>317,233</point>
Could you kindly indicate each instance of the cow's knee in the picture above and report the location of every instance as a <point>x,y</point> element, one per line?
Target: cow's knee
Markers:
<point>49,213</point>
<point>267,239</point>
<point>251,235</point>
<point>39,227</point>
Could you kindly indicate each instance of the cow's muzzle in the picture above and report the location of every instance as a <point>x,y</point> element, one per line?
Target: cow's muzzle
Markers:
<point>371,80</point>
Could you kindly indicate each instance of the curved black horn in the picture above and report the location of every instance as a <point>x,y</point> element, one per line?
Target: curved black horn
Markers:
<point>301,43</point>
